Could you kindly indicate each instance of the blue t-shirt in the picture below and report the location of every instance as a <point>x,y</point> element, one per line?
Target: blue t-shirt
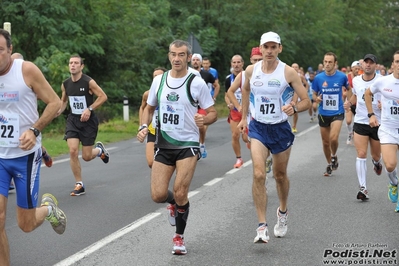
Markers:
<point>331,89</point>
<point>215,74</point>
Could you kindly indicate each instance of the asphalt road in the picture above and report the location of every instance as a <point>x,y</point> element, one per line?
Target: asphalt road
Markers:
<point>116,223</point>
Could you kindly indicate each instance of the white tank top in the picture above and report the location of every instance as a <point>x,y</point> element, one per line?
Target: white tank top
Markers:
<point>18,112</point>
<point>388,87</point>
<point>359,88</point>
<point>177,106</point>
<point>268,91</point>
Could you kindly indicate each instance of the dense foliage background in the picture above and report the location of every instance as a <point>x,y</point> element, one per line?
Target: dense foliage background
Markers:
<point>123,40</point>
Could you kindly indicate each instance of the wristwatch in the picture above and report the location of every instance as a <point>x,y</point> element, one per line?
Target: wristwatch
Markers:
<point>370,114</point>
<point>35,131</point>
<point>295,109</point>
<point>142,127</point>
<point>90,109</point>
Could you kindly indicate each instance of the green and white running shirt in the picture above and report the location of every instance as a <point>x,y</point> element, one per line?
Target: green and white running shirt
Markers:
<point>177,100</point>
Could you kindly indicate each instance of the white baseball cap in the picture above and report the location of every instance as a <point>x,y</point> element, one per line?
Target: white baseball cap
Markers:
<point>270,37</point>
<point>198,56</point>
<point>355,63</point>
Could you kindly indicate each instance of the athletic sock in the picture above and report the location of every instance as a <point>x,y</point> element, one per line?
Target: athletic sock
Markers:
<point>170,199</point>
<point>100,151</point>
<point>281,212</point>
<point>350,128</point>
<point>361,170</point>
<point>49,210</point>
<point>181,217</point>
<point>392,176</point>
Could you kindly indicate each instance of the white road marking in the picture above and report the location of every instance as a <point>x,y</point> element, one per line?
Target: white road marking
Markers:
<point>106,240</point>
<point>213,181</point>
<point>192,193</point>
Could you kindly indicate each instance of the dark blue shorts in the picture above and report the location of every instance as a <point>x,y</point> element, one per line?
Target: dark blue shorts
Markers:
<point>276,137</point>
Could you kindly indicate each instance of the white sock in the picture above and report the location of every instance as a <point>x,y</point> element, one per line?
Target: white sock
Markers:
<point>100,151</point>
<point>49,210</point>
<point>350,128</point>
<point>392,176</point>
<point>202,147</point>
<point>361,170</point>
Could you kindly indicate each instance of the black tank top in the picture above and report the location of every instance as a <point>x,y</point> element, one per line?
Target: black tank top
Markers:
<point>79,88</point>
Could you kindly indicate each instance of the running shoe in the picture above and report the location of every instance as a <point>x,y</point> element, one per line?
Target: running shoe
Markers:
<point>269,163</point>
<point>78,190</point>
<point>294,130</point>
<point>363,194</point>
<point>104,153</point>
<point>48,161</point>
<point>328,171</point>
<point>350,139</point>
<point>280,229</point>
<point>12,186</point>
<point>57,217</point>
<point>239,163</point>
<point>311,119</point>
<point>171,214</point>
<point>393,193</point>
<point>334,162</point>
<point>397,207</point>
<point>262,234</point>
<point>377,168</point>
<point>179,247</point>
<point>204,154</point>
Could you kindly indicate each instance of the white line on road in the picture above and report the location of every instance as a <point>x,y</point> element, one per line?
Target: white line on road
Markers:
<point>213,181</point>
<point>307,130</point>
<point>192,193</point>
<point>106,240</point>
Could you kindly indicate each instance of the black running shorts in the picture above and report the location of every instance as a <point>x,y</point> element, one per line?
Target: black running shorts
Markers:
<point>366,130</point>
<point>86,132</point>
<point>325,121</point>
<point>171,156</point>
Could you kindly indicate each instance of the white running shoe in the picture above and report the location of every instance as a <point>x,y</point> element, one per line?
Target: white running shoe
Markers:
<point>280,229</point>
<point>171,214</point>
<point>262,234</point>
<point>363,194</point>
<point>179,247</point>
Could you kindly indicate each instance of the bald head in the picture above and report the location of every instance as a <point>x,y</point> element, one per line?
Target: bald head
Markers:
<point>17,56</point>
<point>237,64</point>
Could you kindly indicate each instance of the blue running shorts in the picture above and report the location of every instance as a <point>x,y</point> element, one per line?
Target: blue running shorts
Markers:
<point>276,137</point>
<point>25,171</point>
